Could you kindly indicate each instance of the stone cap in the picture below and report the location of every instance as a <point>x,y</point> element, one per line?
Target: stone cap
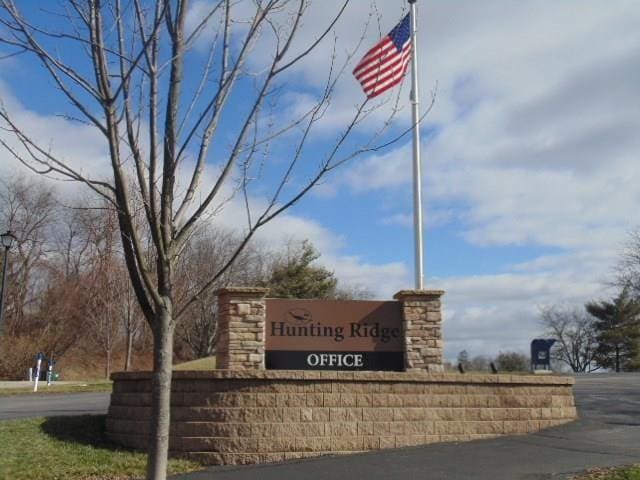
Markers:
<point>243,291</point>
<point>332,375</point>
<point>430,294</point>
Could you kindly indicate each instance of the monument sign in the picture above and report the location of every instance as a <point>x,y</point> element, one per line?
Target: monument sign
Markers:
<point>333,335</point>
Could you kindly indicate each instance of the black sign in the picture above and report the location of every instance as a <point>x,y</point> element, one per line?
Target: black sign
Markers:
<point>298,360</point>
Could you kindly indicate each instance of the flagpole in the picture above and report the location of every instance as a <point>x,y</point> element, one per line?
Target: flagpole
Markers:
<point>417,170</point>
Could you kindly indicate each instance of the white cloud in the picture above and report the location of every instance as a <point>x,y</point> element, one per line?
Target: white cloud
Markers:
<point>492,313</point>
<point>400,219</point>
<point>80,146</point>
<point>375,172</point>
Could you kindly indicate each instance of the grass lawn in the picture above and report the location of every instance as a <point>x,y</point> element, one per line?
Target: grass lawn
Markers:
<point>622,473</point>
<point>69,448</point>
<point>208,363</point>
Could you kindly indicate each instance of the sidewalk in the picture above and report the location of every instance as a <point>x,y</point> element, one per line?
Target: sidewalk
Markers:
<point>28,384</point>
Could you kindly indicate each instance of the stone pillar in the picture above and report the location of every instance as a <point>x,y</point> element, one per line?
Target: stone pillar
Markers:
<point>241,324</point>
<point>422,326</point>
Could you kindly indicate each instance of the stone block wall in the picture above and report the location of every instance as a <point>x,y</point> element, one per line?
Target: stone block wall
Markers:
<point>422,327</point>
<point>238,417</point>
<point>241,324</point>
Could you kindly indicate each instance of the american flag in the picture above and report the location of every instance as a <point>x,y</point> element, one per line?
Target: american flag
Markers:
<point>386,63</point>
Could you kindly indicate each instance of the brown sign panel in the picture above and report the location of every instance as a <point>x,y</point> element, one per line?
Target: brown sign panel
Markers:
<point>333,334</point>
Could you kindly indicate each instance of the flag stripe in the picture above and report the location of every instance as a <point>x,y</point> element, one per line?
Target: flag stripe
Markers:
<point>373,56</point>
<point>399,70</point>
<point>378,86</point>
<point>382,64</point>
<point>380,79</point>
<point>381,87</point>
<point>379,72</point>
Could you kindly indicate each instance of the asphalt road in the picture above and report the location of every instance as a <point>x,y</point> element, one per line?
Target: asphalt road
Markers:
<point>607,434</point>
<point>53,404</point>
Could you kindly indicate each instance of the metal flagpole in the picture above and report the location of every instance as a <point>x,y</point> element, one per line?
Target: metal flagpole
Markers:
<point>417,170</point>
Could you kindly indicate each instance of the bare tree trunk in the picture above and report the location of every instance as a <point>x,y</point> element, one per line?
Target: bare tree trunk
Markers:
<point>107,367</point>
<point>128,350</point>
<point>161,395</point>
<point>130,323</point>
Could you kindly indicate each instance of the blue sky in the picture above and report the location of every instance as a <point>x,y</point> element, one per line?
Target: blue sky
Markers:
<point>530,158</point>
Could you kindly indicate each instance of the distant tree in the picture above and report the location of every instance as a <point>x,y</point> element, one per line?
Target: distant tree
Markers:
<point>29,210</point>
<point>295,276</point>
<point>628,267</point>
<point>105,285</point>
<point>617,327</point>
<point>205,254</point>
<point>449,366</point>
<point>574,330</point>
<point>352,292</point>
<point>512,362</point>
<point>479,363</point>
<point>35,292</point>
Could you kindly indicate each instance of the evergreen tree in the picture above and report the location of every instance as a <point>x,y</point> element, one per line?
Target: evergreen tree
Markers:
<point>618,332</point>
<point>294,276</point>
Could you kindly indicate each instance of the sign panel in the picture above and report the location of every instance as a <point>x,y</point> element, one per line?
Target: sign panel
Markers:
<point>333,335</point>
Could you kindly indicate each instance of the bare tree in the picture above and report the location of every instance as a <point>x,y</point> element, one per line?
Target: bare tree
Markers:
<point>512,362</point>
<point>131,317</point>
<point>169,113</point>
<point>627,271</point>
<point>43,310</point>
<point>576,344</point>
<point>202,258</point>
<point>102,292</point>
<point>29,210</point>
<point>103,287</point>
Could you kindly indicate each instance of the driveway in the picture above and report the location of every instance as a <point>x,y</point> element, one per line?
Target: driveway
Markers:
<point>607,434</point>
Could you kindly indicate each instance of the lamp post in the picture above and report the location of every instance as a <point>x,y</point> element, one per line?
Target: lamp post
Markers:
<point>6,239</point>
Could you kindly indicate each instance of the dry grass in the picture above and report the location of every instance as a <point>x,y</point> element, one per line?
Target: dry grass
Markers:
<point>620,473</point>
<point>208,363</point>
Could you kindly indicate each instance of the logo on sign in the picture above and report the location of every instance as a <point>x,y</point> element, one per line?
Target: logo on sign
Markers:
<point>298,316</point>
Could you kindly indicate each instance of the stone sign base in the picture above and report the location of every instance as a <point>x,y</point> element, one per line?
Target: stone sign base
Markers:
<point>252,416</point>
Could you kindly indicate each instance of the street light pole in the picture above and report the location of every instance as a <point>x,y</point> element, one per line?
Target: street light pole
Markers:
<point>7,239</point>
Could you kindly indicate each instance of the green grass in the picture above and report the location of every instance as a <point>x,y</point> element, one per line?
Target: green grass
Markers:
<point>80,387</point>
<point>207,363</point>
<point>69,448</point>
<point>621,473</point>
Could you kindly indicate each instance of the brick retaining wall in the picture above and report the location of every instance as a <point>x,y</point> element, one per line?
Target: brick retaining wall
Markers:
<point>252,416</point>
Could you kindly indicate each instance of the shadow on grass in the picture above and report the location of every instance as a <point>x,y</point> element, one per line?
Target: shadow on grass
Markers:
<point>83,429</point>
